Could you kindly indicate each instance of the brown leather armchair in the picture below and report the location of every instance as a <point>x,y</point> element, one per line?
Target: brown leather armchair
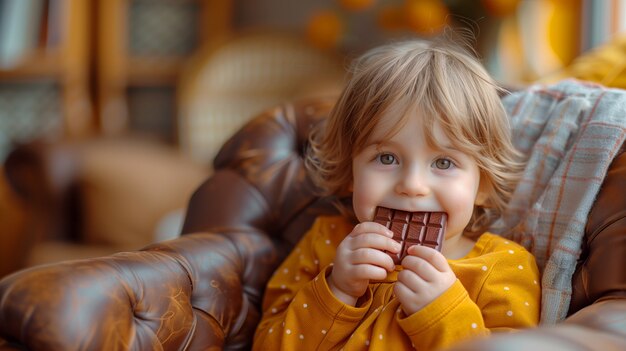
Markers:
<point>203,290</point>
<point>92,197</point>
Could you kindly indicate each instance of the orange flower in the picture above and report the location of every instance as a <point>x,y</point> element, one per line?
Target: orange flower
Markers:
<point>391,17</point>
<point>356,5</point>
<point>500,8</point>
<point>324,29</point>
<point>425,17</point>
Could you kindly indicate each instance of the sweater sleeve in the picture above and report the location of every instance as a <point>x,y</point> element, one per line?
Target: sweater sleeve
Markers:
<point>299,310</point>
<point>508,299</point>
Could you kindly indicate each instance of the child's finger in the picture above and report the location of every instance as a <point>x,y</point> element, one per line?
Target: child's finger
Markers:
<point>412,281</point>
<point>434,257</point>
<point>376,241</point>
<point>421,268</point>
<point>370,272</point>
<point>373,257</point>
<point>371,227</point>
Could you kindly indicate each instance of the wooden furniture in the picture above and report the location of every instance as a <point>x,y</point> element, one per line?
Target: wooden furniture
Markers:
<point>80,72</point>
<point>129,59</point>
<point>61,57</point>
<point>96,54</point>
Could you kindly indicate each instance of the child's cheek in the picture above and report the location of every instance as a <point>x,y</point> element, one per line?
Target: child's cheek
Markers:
<point>364,202</point>
<point>460,209</point>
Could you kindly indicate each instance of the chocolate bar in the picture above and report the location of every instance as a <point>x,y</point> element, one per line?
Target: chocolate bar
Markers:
<point>413,228</point>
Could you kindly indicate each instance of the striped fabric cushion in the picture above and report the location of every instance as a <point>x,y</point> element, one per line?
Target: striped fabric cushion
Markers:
<point>571,131</point>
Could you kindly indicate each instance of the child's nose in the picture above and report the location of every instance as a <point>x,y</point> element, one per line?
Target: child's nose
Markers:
<point>413,184</point>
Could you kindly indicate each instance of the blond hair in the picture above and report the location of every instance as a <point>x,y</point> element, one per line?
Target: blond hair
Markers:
<point>447,84</point>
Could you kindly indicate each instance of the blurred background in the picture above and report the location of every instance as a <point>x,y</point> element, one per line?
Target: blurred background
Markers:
<point>112,110</point>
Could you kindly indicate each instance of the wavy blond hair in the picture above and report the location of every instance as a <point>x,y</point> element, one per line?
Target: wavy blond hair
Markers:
<point>447,84</point>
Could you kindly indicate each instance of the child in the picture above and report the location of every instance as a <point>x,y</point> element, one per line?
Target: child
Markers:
<point>419,127</point>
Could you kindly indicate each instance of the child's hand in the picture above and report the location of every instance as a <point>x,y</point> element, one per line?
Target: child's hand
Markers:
<point>360,257</point>
<point>425,276</point>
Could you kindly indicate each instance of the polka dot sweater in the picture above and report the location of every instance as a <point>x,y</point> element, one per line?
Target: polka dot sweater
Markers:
<point>496,290</point>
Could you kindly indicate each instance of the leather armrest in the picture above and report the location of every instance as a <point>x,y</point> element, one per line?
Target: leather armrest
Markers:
<point>197,290</point>
<point>601,270</point>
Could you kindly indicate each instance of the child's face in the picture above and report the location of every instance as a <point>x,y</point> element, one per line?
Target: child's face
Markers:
<point>403,172</point>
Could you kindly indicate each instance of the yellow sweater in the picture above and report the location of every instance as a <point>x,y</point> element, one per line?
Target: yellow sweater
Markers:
<point>497,290</point>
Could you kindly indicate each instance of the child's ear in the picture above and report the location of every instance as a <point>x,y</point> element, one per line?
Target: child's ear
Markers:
<point>482,195</point>
<point>481,198</point>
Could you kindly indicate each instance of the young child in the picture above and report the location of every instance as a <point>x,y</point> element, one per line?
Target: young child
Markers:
<point>419,127</point>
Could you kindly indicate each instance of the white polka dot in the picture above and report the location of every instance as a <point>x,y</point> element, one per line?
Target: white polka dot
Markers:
<point>380,336</point>
<point>271,330</point>
<point>509,313</point>
<point>535,282</point>
<point>511,251</point>
<point>283,286</point>
<point>327,242</point>
<point>520,267</point>
<point>526,303</point>
<point>484,268</point>
<point>316,278</point>
<point>301,336</point>
<point>316,262</point>
<point>323,331</point>
<point>506,288</point>
<point>506,242</point>
<point>274,310</point>
<point>474,325</point>
<point>287,298</point>
<point>305,305</point>
<point>288,331</point>
<point>286,270</point>
<point>367,343</point>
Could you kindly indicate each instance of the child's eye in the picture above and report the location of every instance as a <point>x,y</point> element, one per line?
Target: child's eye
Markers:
<point>443,163</point>
<point>387,159</point>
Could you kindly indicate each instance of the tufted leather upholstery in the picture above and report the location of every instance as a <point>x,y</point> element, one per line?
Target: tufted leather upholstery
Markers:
<point>203,290</point>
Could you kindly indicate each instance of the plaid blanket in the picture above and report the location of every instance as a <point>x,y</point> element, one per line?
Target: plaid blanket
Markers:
<point>571,131</point>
